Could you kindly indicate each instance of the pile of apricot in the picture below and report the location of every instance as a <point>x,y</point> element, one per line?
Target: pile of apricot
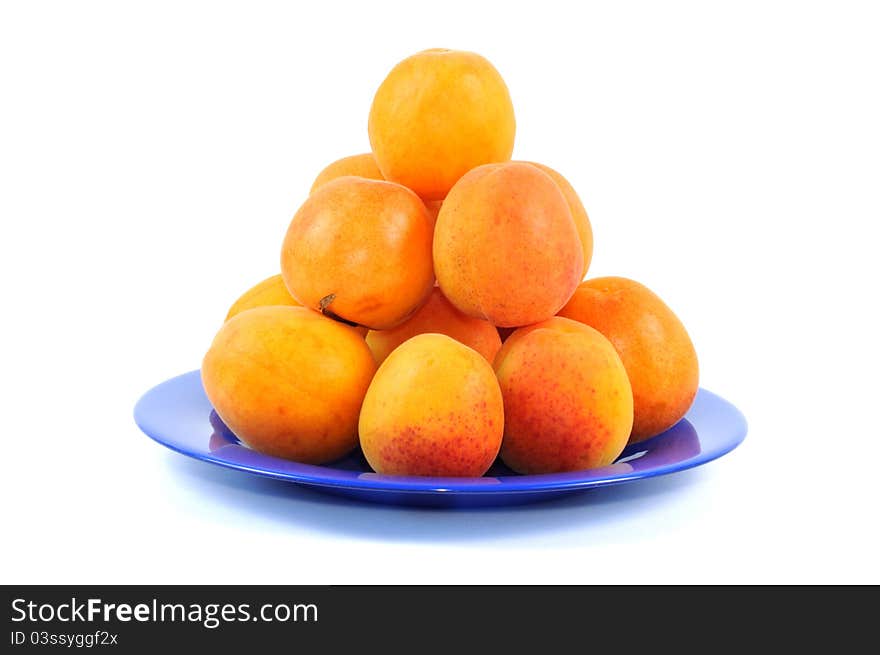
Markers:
<point>431,306</point>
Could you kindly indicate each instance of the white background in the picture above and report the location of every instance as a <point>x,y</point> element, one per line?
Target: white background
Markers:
<point>152,154</point>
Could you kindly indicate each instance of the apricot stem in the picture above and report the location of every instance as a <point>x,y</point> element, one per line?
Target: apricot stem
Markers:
<point>324,307</point>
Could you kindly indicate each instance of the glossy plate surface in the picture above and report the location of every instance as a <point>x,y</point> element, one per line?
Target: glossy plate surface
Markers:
<point>177,414</point>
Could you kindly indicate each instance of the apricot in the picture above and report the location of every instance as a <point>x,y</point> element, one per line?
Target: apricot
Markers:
<point>359,250</point>
<point>289,382</point>
<point>437,315</point>
<point>438,114</point>
<point>568,405</point>
<point>358,165</point>
<point>578,213</point>
<point>506,247</point>
<point>433,408</point>
<point>270,291</point>
<point>652,342</point>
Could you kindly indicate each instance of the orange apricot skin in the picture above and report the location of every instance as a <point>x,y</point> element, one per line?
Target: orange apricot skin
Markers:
<point>578,213</point>
<point>433,207</point>
<point>438,114</point>
<point>653,344</point>
<point>434,409</point>
<point>270,291</point>
<point>506,247</point>
<point>439,316</point>
<point>568,405</point>
<point>359,250</point>
<point>363,165</point>
<point>289,382</point>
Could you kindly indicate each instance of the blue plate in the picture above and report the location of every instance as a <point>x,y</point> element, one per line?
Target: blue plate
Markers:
<point>178,415</point>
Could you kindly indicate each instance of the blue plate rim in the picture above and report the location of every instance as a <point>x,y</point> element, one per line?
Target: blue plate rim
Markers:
<point>326,476</point>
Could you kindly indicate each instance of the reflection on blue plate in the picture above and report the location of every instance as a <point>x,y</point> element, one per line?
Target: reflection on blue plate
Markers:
<point>178,415</point>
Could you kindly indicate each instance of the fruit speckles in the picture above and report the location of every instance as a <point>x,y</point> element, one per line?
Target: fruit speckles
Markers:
<point>458,450</point>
